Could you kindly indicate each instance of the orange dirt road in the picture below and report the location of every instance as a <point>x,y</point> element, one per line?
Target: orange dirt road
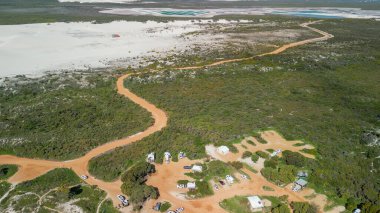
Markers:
<point>32,168</point>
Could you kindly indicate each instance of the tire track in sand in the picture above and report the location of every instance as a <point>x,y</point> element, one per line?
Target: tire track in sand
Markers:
<point>32,168</point>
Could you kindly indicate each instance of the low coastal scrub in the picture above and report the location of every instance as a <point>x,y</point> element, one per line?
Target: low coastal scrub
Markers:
<point>62,116</point>
<point>55,189</point>
<point>134,184</point>
<point>325,93</point>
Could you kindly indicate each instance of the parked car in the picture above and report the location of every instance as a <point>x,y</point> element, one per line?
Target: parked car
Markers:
<point>181,186</point>
<point>179,210</point>
<point>84,177</point>
<point>187,167</point>
<point>244,177</point>
<point>157,207</point>
<point>221,182</point>
<point>216,187</point>
<point>123,200</point>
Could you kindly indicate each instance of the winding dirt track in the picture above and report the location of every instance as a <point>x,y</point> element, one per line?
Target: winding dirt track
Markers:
<point>32,168</point>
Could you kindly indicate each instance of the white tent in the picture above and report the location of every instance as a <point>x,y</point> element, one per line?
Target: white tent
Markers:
<point>197,168</point>
<point>255,203</point>
<point>223,150</point>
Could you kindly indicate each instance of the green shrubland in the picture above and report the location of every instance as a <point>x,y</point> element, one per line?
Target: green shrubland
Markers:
<point>324,93</point>
<point>63,116</point>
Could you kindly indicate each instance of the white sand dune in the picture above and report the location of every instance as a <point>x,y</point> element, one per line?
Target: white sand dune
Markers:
<point>35,48</point>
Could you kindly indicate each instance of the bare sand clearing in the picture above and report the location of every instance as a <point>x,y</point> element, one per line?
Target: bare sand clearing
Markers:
<point>167,176</point>
<point>32,168</point>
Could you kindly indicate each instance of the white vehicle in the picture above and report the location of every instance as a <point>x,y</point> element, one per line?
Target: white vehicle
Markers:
<point>179,210</point>
<point>244,177</point>
<point>229,179</point>
<point>216,187</point>
<point>84,177</point>
<point>278,151</point>
<point>180,186</point>
<point>123,200</point>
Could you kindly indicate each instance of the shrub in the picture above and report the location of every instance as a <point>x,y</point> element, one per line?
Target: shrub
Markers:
<point>246,154</point>
<point>303,207</point>
<point>165,206</point>
<point>282,208</point>
<point>255,158</point>
<point>262,154</point>
<point>293,158</point>
<point>273,162</point>
<point>236,164</point>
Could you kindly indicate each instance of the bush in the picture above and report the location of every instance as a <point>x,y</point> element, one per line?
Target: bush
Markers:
<point>282,208</point>
<point>262,154</point>
<point>236,164</point>
<point>302,207</point>
<point>246,154</point>
<point>293,158</point>
<point>134,184</point>
<point>138,172</point>
<point>165,206</point>
<point>283,174</point>
<point>203,189</point>
<point>255,158</point>
<point>272,162</point>
<point>251,142</point>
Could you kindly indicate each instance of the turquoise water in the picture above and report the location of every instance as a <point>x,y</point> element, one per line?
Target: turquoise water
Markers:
<point>307,13</point>
<point>182,12</point>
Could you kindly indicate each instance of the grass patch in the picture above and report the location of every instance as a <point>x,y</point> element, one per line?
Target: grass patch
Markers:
<point>203,189</point>
<point>250,168</point>
<point>165,206</point>
<point>310,151</point>
<point>268,188</point>
<point>236,204</point>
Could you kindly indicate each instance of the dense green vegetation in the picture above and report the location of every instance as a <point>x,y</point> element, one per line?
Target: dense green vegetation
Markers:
<point>324,93</point>
<point>299,207</point>
<point>4,187</point>
<point>57,187</point>
<point>165,206</point>
<point>134,184</point>
<point>64,116</point>
<point>7,171</point>
<point>107,207</point>
<point>55,178</point>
